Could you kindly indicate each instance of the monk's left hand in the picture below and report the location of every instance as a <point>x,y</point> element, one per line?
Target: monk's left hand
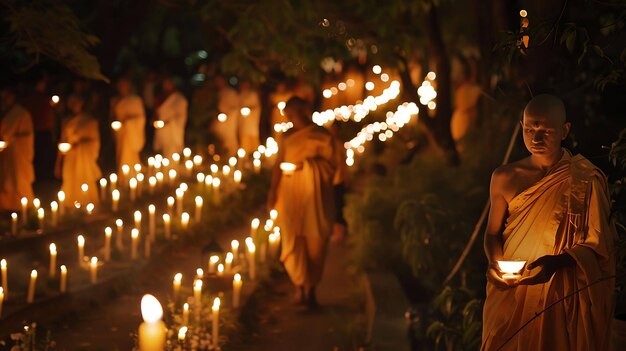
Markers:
<point>547,265</point>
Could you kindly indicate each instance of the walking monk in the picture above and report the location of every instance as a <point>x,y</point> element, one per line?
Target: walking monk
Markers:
<point>80,163</point>
<point>304,198</point>
<point>16,152</point>
<point>130,137</point>
<point>550,209</point>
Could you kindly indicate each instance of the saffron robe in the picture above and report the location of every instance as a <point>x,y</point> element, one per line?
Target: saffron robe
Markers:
<point>565,212</point>
<point>305,202</point>
<point>171,138</point>
<point>130,138</point>
<point>227,131</point>
<point>16,160</point>
<point>80,164</point>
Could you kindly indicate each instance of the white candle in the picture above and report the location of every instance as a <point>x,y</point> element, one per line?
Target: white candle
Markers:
<point>80,241</point>
<point>90,207</point>
<point>274,240</point>
<point>115,198</point>
<point>199,203</point>
<point>167,226</point>
<point>103,189</point>
<point>31,286</point>
<point>172,176</point>
<point>217,199</point>
<point>133,189</point>
<point>287,168</point>
<point>200,178</point>
<point>237,284</point>
<point>170,206</point>
<point>213,260</point>
<point>153,182</point>
<point>184,220</point>
<point>14,223</point>
<point>226,171</point>
<point>179,201</point>
<point>241,153</point>
<point>234,246</point>
<point>188,168</point>
<point>237,176</point>
<point>137,217</point>
<point>125,173</point>
<point>5,281</point>
<point>119,224</point>
<point>54,213</point>
<point>220,270</point>
<point>273,215</point>
<point>93,269</point>
<point>257,165</point>
<point>251,259</point>
<point>107,243</point>
<point>176,283</point>
<point>197,160</point>
<point>254,227</point>
<point>24,202</point>
<point>1,300</point>
<point>185,314</point>
<point>152,331</point>
<point>151,221</point>
<point>84,188</point>
<point>197,295</point>
<point>216,322</point>
<point>228,262</point>
<point>113,180</point>
<point>36,203</point>
<point>140,178</point>
<point>269,225</point>
<point>53,261</point>
<point>63,285</point>
<point>61,197</point>
<point>135,239</point>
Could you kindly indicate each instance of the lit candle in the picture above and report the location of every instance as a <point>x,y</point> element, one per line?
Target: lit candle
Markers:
<point>197,295</point>
<point>269,225</point>
<point>158,124</point>
<point>257,165</point>
<point>188,168</point>
<point>61,197</point>
<point>216,322</point>
<point>287,168</point>
<point>134,234</point>
<point>63,284</point>
<point>116,125</point>
<point>179,201</point>
<point>152,331</point>
<point>200,178</point>
<point>226,171</point>
<point>167,226</point>
<point>185,314</point>
<point>228,261</point>
<point>5,281</point>
<point>36,204</point>
<point>184,220</point>
<point>64,148</point>
<point>214,168</point>
<point>133,189</point>
<point>1,300</point>
<point>254,227</point>
<point>213,260</point>
<point>199,202</point>
<point>241,153</point>
<point>273,215</point>
<point>251,259</point>
<point>170,206</point>
<point>274,240</point>
<point>125,173</point>
<point>24,202</point>
<point>53,261</point>
<point>511,269</point>
<point>237,284</point>
<point>90,207</point>
<point>80,240</point>
<point>31,287</point>
<point>93,269</point>
<point>119,224</point>
<point>217,199</point>
<point>234,245</point>
<point>84,188</point>
<point>153,182</point>
<point>220,270</point>
<point>115,198</point>
<point>197,160</point>
<point>107,243</point>
<point>151,221</point>
<point>113,180</point>
<point>54,213</point>
<point>14,223</point>
<point>182,332</point>
<point>199,273</point>
<point>140,178</point>
<point>187,152</point>
<point>137,217</point>
<point>237,176</point>
<point>176,283</point>
<point>172,176</point>
<point>103,189</point>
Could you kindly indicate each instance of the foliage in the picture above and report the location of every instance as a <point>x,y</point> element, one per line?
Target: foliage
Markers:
<point>618,194</point>
<point>47,29</point>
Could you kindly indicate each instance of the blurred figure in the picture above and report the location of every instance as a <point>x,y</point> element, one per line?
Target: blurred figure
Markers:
<point>38,104</point>
<point>80,164</point>
<point>304,90</point>
<point>280,95</point>
<point>466,98</point>
<point>172,112</point>
<point>250,117</point>
<point>128,109</point>
<point>16,152</point>
<point>227,125</point>
<point>304,198</point>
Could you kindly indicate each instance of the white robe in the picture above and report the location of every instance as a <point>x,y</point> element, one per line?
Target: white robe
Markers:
<point>228,103</point>
<point>249,125</point>
<point>171,138</point>
<point>16,160</point>
<point>130,138</point>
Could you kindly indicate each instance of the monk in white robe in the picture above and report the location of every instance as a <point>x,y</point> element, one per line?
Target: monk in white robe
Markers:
<point>250,119</point>
<point>16,154</point>
<point>304,199</point>
<point>226,126</point>
<point>130,138</point>
<point>552,210</point>
<point>170,138</point>
<point>80,163</point>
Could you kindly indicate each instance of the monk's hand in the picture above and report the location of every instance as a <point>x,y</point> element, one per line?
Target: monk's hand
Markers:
<point>547,265</point>
<point>493,276</point>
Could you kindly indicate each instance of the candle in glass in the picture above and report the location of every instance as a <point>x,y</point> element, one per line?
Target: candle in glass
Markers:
<point>31,287</point>
<point>134,234</point>
<point>53,261</point>
<point>80,241</point>
<point>511,269</point>
<point>216,322</point>
<point>93,269</point>
<point>63,283</point>
<point>152,332</point>
<point>167,226</point>
<point>54,213</point>
<point>115,198</point>
<point>237,284</point>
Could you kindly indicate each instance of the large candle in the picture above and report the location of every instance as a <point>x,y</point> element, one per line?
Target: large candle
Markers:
<point>14,223</point>
<point>54,215</point>
<point>134,242</point>
<point>152,331</point>
<point>53,261</point>
<point>199,202</point>
<point>151,221</point>
<point>137,217</point>
<point>103,189</point>
<point>93,270</point>
<point>63,283</point>
<point>185,314</point>
<point>115,198</point>
<point>167,226</point>
<point>216,322</point>
<point>107,243</point>
<point>31,286</point>
<point>237,284</point>
<point>80,241</point>
<point>61,197</point>
<point>176,283</point>
<point>24,202</point>
<point>5,281</point>
<point>118,236</point>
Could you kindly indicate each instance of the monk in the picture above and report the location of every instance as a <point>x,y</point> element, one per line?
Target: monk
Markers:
<point>80,163</point>
<point>550,209</point>
<point>130,138</point>
<point>16,152</point>
<point>304,199</point>
<point>172,112</point>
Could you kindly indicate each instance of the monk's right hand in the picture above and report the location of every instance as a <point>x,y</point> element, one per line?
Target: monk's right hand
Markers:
<point>493,276</point>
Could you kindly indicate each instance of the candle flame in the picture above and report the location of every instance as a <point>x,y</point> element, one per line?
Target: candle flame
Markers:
<point>178,277</point>
<point>151,309</point>
<point>237,277</point>
<point>53,248</point>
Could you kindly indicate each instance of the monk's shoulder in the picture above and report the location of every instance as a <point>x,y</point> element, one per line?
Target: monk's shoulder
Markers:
<point>510,170</point>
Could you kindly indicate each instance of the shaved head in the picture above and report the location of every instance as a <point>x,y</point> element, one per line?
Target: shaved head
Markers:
<point>546,106</point>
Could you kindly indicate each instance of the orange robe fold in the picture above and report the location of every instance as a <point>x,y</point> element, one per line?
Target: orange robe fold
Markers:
<point>305,203</point>
<point>565,212</point>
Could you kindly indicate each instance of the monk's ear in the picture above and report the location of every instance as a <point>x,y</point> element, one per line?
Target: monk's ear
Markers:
<point>566,128</point>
